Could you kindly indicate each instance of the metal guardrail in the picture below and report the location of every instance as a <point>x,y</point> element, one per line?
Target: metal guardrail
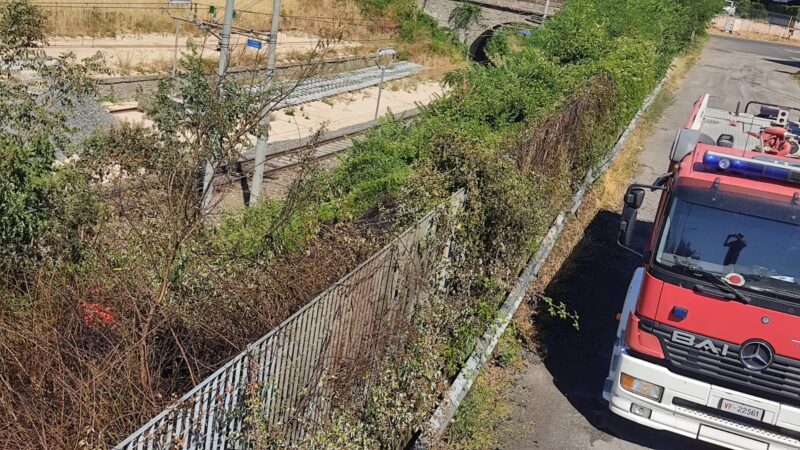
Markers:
<point>316,88</point>
<point>282,383</point>
<point>762,15</point>
<point>130,87</point>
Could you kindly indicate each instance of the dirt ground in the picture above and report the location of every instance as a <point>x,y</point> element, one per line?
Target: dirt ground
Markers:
<point>153,53</point>
<point>351,108</point>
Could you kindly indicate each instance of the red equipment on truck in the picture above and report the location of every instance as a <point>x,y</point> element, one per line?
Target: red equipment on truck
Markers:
<point>708,344</point>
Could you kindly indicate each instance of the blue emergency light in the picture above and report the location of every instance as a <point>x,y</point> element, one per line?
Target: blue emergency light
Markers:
<point>752,167</point>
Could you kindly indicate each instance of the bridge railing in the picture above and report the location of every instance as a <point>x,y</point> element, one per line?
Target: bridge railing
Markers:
<point>284,385</point>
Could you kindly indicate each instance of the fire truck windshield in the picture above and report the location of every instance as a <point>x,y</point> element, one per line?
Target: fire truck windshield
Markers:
<point>731,234</point>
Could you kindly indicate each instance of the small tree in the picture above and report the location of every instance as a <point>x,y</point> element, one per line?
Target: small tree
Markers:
<point>33,193</point>
<point>464,16</point>
<point>21,30</point>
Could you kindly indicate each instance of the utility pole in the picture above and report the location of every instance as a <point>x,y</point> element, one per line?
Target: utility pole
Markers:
<point>261,144</point>
<point>546,10</point>
<point>177,3</point>
<point>225,44</point>
<point>390,52</point>
<point>380,91</point>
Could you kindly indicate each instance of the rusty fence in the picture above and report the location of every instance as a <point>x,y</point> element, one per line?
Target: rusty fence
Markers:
<point>288,382</point>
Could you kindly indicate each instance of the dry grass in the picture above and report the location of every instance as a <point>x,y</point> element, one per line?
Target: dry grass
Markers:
<point>330,18</point>
<point>336,26</point>
<point>488,406</point>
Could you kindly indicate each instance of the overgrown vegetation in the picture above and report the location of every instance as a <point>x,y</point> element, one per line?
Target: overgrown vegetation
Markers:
<point>464,16</point>
<point>487,407</point>
<point>484,399</point>
<point>119,294</point>
<point>417,32</point>
<point>519,137</point>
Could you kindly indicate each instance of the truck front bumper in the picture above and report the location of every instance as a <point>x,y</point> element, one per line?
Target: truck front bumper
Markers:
<point>691,408</point>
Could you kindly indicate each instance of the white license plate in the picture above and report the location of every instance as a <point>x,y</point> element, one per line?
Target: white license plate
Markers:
<point>741,409</point>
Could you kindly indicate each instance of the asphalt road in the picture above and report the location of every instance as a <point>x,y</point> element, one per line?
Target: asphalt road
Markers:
<point>557,400</point>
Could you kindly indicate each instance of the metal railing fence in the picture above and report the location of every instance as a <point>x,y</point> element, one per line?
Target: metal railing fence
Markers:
<point>762,15</point>
<point>288,382</point>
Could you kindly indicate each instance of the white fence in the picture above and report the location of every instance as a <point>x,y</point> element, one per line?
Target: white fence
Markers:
<point>284,385</point>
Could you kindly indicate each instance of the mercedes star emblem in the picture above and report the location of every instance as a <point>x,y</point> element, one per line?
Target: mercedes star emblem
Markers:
<point>756,355</point>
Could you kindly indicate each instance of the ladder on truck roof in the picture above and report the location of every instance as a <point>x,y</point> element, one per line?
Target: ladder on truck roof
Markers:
<point>742,129</point>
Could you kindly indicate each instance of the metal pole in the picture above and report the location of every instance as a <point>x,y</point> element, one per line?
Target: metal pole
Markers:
<point>380,91</point>
<point>225,40</point>
<point>261,145</point>
<point>175,52</point>
<point>225,43</point>
<point>546,10</point>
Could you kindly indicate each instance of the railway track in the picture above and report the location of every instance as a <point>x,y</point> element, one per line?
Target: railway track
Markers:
<point>123,110</point>
<point>302,153</point>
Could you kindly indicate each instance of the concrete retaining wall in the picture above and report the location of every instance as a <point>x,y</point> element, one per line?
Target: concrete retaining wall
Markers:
<point>739,25</point>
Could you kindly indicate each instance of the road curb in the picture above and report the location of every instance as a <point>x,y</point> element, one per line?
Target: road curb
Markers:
<point>455,395</point>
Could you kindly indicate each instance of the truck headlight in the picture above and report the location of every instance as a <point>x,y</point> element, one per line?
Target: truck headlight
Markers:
<point>641,387</point>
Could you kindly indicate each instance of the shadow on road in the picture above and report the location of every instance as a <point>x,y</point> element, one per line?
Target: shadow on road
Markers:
<point>593,281</point>
<point>785,62</point>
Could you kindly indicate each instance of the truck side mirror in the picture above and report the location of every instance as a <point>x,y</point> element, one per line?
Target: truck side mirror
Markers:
<point>633,201</point>
<point>634,197</point>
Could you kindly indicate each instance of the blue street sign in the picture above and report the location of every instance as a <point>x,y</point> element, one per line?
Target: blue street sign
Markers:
<point>254,43</point>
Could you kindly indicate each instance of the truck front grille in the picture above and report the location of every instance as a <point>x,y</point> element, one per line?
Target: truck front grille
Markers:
<point>780,382</point>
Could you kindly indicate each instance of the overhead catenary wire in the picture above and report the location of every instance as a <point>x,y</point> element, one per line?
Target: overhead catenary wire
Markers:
<point>265,35</point>
<point>249,5</point>
<point>236,30</point>
<point>291,16</point>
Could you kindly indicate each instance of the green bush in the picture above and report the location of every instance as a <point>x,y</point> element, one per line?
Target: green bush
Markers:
<point>415,27</point>
<point>268,229</point>
<point>574,34</point>
<point>26,192</point>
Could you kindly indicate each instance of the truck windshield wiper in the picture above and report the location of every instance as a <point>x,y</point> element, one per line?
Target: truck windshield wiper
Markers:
<point>728,291</point>
<point>776,291</point>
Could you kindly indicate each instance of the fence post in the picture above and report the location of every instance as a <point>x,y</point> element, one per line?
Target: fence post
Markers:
<point>729,23</point>
<point>456,205</point>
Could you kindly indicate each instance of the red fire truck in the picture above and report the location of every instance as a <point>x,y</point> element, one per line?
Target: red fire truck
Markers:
<point>708,342</point>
